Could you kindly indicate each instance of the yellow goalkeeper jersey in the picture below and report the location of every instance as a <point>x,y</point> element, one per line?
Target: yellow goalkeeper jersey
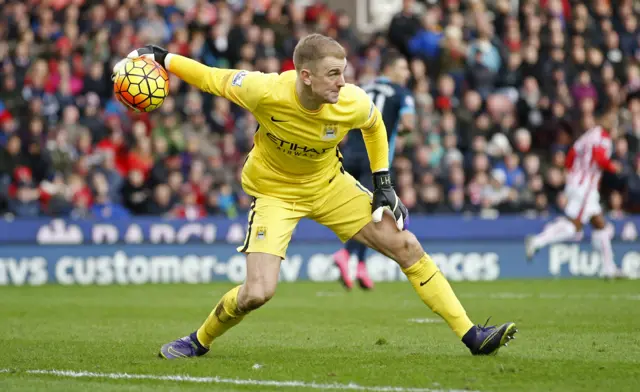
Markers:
<point>295,152</point>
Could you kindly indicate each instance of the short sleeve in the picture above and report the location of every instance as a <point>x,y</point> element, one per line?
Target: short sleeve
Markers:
<point>408,105</point>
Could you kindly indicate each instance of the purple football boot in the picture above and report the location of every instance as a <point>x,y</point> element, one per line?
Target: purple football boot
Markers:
<point>186,347</point>
<point>483,340</point>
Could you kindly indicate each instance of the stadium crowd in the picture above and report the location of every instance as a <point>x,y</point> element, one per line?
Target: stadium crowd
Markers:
<point>500,92</point>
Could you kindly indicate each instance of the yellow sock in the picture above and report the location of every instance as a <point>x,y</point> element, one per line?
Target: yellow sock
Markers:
<point>224,316</point>
<point>437,294</point>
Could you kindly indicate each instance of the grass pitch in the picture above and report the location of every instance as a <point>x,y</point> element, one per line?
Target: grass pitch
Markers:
<point>574,335</point>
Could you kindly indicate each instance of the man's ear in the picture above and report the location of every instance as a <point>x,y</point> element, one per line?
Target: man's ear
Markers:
<point>305,74</point>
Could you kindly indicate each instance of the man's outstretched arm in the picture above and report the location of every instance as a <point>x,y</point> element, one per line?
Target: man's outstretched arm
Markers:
<point>241,87</point>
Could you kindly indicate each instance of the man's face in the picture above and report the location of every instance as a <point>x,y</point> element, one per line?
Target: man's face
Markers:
<point>400,72</point>
<point>407,6</point>
<point>326,78</point>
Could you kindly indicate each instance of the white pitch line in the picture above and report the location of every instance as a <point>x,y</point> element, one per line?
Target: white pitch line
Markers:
<point>425,320</point>
<point>328,294</point>
<point>234,381</point>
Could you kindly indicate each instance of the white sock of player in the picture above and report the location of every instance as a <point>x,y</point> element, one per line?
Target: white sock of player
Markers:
<point>602,242</point>
<point>558,231</point>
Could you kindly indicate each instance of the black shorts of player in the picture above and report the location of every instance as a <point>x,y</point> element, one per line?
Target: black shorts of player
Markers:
<point>358,167</point>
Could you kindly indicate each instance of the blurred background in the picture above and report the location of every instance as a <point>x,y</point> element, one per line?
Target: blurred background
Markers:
<point>501,88</point>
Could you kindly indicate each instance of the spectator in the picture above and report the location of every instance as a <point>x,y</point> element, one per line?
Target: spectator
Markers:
<point>496,194</point>
<point>104,206</point>
<point>24,194</point>
<point>634,187</point>
<point>11,155</point>
<point>426,43</point>
<point>615,205</point>
<point>513,173</point>
<point>403,27</point>
<point>163,201</point>
<point>135,193</point>
<point>188,208</point>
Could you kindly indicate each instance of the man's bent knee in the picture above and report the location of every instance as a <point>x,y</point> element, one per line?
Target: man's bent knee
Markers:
<point>262,279</point>
<point>409,249</point>
<point>252,297</point>
<point>403,247</point>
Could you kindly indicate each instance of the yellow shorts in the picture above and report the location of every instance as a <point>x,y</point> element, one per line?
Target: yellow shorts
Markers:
<point>344,206</point>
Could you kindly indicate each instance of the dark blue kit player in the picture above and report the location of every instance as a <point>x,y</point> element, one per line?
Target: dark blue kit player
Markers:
<point>390,94</point>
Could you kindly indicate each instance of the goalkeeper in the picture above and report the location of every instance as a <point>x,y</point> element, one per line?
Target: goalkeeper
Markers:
<point>295,171</point>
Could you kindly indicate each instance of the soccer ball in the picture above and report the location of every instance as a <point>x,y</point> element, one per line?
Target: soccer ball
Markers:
<point>141,84</point>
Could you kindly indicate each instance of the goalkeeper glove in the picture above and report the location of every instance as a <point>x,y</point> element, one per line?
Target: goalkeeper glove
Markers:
<point>384,197</point>
<point>153,52</point>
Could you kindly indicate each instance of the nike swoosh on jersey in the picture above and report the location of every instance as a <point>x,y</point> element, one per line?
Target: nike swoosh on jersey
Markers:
<point>276,120</point>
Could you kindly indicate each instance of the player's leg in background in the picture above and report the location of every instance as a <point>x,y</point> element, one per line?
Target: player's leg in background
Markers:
<point>341,260</point>
<point>564,228</point>
<point>365,180</point>
<point>601,240</point>
<point>271,224</point>
<point>561,230</point>
<point>352,165</point>
<point>362,275</point>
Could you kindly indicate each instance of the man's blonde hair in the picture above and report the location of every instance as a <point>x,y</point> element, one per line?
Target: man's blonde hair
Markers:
<point>315,47</point>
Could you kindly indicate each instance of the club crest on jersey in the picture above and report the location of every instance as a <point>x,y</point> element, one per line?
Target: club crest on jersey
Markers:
<point>330,132</point>
<point>237,79</point>
<point>261,232</point>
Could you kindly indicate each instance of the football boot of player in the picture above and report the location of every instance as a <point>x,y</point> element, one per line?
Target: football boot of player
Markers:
<point>483,340</point>
<point>186,347</point>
